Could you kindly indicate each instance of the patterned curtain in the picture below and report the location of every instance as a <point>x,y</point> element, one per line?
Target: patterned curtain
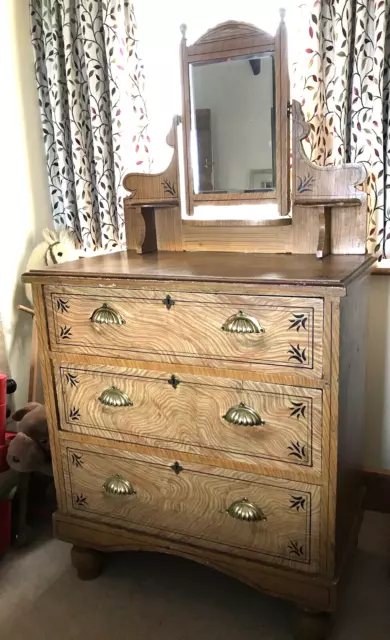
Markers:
<point>90,80</point>
<point>342,78</point>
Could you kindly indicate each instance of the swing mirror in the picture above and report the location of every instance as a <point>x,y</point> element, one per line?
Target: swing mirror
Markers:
<point>235,117</point>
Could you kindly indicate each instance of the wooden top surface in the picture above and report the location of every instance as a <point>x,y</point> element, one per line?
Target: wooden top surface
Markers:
<point>254,268</point>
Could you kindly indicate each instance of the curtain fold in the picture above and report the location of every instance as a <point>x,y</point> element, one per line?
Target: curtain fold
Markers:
<point>90,79</point>
<point>341,76</point>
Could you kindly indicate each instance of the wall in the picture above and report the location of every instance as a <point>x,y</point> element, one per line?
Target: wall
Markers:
<point>25,206</point>
<point>240,105</point>
<point>378,374</point>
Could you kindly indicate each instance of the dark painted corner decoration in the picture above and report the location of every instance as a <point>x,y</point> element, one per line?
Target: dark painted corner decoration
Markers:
<point>72,379</point>
<point>297,354</point>
<point>298,321</point>
<point>65,333</point>
<point>91,88</point>
<point>296,549</point>
<point>298,503</point>
<point>305,184</point>
<point>297,450</point>
<point>298,410</point>
<point>80,500</point>
<point>74,414</point>
<point>62,305</point>
<point>77,459</point>
<point>169,188</point>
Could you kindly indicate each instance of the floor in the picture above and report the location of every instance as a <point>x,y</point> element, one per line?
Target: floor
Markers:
<point>157,597</point>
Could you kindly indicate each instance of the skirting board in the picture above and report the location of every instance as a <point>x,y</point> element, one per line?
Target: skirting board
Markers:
<point>377,483</point>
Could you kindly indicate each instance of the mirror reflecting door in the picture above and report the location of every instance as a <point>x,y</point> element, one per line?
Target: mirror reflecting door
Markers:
<point>233,124</point>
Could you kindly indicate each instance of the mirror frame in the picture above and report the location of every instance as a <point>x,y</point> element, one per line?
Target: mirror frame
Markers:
<point>231,39</point>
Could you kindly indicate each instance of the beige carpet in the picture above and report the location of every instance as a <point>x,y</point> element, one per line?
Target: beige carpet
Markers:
<point>156,597</point>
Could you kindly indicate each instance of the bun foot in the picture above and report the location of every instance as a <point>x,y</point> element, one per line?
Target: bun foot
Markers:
<point>87,562</point>
<point>312,625</point>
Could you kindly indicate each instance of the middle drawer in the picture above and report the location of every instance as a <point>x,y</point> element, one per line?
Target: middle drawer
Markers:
<point>248,422</point>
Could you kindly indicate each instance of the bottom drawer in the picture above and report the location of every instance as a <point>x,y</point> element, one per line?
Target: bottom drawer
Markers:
<point>274,520</point>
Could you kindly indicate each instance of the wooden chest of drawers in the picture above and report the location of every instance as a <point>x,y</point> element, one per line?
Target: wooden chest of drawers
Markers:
<point>214,418</point>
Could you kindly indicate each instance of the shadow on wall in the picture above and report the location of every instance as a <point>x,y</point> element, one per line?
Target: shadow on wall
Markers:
<point>31,123</point>
<point>25,193</point>
<point>378,374</point>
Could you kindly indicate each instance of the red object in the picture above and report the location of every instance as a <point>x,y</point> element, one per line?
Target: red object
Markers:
<point>3,406</point>
<point>5,528</point>
<point>3,409</point>
<point>5,439</point>
<point>9,435</point>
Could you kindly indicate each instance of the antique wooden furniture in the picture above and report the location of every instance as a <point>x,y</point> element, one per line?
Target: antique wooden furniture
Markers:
<point>205,388</point>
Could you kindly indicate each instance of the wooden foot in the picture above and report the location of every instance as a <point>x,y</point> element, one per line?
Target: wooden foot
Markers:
<point>312,625</point>
<point>87,562</point>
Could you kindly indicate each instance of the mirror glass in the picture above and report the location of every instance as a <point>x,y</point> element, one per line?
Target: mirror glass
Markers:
<point>233,124</point>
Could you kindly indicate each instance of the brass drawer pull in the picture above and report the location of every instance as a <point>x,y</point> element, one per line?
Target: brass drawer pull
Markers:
<point>106,315</point>
<point>114,397</point>
<point>243,415</point>
<point>242,323</point>
<point>245,510</point>
<point>118,486</point>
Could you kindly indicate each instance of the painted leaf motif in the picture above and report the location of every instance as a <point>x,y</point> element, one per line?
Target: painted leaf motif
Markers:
<point>89,109</point>
<point>355,32</point>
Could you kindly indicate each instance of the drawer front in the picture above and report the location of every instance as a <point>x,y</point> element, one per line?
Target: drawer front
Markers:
<point>278,425</point>
<point>251,332</point>
<point>199,503</point>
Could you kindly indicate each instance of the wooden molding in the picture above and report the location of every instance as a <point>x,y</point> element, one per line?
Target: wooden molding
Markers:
<point>230,29</point>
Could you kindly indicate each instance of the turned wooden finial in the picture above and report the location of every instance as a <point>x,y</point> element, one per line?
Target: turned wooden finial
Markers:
<point>183,31</point>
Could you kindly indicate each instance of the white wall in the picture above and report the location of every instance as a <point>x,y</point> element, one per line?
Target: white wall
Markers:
<point>378,374</point>
<point>240,105</point>
<point>24,202</point>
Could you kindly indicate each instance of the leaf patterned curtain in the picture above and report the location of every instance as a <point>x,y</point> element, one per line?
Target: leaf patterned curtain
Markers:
<point>90,80</point>
<point>342,78</point>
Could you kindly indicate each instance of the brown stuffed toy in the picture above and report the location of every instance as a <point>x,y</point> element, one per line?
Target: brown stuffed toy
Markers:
<point>30,450</point>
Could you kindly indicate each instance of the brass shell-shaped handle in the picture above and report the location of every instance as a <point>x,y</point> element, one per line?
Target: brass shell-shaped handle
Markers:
<point>245,510</point>
<point>240,322</point>
<point>106,315</point>
<point>118,486</point>
<point>114,397</point>
<point>243,415</point>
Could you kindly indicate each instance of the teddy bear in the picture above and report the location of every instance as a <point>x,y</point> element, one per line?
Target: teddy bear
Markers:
<point>29,450</point>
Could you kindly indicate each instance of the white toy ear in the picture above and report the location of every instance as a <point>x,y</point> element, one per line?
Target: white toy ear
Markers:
<point>49,236</point>
<point>68,236</point>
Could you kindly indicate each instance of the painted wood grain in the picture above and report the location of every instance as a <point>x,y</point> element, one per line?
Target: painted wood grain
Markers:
<point>194,502</point>
<point>189,325</point>
<point>187,413</point>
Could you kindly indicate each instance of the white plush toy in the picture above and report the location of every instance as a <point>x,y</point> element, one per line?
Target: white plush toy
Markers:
<point>57,246</point>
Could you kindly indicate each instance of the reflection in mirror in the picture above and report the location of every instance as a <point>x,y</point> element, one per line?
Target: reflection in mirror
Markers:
<point>233,124</point>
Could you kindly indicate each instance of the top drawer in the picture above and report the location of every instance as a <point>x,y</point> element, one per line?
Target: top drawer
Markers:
<point>246,332</point>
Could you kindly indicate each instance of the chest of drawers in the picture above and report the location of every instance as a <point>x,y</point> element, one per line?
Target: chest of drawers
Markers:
<point>219,418</point>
